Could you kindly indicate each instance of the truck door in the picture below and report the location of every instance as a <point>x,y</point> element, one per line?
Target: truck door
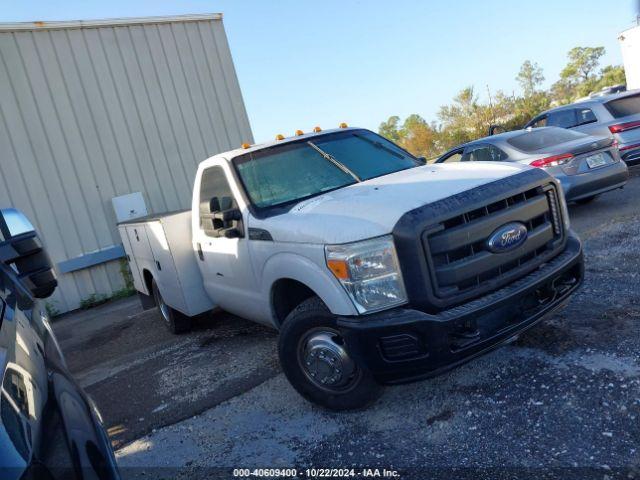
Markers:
<point>224,262</point>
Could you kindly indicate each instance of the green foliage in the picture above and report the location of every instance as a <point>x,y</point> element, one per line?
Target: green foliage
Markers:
<point>609,76</point>
<point>52,309</point>
<point>123,293</point>
<point>128,290</point>
<point>530,77</point>
<point>467,118</point>
<point>582,63</point>
<point>390,129</point>
<point>93,300</point>
<point>96,299</point>
<point>125,271</point>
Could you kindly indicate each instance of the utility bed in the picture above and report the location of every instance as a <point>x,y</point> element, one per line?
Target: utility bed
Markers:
<point>161,245</point>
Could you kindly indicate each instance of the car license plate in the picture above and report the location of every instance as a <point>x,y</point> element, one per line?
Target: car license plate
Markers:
<point>597,160</point>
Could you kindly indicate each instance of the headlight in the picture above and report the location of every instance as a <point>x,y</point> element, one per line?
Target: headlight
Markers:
<point>369,272</point>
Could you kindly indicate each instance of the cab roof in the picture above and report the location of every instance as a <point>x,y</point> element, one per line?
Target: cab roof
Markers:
<point>231,154</point>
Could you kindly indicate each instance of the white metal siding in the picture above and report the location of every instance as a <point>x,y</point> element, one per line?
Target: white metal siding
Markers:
<point>91,112</point>
<point>630,47</point>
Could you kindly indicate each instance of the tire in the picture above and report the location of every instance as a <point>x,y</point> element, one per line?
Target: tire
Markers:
<point>175,321</point>
<point>584,201</point>
<point>309,335</point>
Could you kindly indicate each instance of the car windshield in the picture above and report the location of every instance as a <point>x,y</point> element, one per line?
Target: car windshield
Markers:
<point>541,138</point>
<point>297,170</point>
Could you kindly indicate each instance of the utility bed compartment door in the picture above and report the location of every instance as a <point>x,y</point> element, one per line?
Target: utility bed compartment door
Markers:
<point>166,274</point>
<point>133,265</point>
<point>177,231</point>
<point>140,253</point>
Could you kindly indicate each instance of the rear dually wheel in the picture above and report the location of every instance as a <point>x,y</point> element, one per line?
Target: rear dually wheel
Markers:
<point>175,321</point>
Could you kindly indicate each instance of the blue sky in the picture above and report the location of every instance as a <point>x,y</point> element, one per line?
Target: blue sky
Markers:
<point>302,64</point>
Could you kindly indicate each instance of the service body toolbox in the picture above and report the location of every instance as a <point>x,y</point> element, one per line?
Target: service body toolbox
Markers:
<point>162,245</point>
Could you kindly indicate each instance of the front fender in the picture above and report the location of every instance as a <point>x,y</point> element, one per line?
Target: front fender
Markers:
<point>308,272</point>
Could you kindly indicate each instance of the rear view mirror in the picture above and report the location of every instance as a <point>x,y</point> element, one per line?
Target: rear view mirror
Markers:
<point>226,220</point>
<point>22,250</point>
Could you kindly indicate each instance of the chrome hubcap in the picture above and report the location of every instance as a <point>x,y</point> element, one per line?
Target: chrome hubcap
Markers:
<point>325,360</point>
<point>164,309</point>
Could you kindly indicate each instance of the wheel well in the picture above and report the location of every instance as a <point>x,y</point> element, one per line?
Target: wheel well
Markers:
<point>148,278</point>
<point>287,294</point>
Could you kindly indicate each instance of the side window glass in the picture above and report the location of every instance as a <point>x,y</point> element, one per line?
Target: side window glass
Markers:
<point>485,153</point>
<point>562,119</point>
<point>453,158</point>
<point>496,154</point>
<point>539,122</point>
<point>215,196</point>
<point>585,115</point>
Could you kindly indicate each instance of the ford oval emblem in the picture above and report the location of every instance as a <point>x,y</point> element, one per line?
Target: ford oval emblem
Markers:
<point>507,237</point>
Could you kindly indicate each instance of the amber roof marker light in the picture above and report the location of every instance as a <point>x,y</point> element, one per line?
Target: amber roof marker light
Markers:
<point>299,132</point>
<point>317,129</point>
<point>245,145</point>
<point>343,125</point>
<point>279,137</point>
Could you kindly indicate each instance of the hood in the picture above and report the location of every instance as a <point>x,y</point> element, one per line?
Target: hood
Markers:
<point>372,208</point>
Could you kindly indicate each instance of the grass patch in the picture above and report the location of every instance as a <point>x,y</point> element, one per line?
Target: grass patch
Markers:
<point>96,299</point>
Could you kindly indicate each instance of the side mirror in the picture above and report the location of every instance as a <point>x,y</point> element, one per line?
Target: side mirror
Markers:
<point>226,220</point>
<point>22,250</point>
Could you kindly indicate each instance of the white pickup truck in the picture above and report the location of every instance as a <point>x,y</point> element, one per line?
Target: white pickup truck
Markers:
<point>374,267</point>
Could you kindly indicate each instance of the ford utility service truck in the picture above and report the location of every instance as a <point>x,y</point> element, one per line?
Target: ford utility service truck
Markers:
<point>374,267</point>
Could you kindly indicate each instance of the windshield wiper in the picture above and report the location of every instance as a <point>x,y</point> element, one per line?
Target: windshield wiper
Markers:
<point>338,164</point>
<point>379,145</point>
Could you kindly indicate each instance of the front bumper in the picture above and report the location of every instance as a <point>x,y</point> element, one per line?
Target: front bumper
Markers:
<point>403,344</point>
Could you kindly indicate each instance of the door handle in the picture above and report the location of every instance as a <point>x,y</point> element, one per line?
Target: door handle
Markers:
<point>200,254</point>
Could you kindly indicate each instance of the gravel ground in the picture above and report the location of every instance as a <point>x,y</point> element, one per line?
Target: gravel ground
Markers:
<point>561,401</point>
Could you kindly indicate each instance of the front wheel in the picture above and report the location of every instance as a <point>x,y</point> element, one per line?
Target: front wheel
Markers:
<point>175,321</point>
<point>315,360</point>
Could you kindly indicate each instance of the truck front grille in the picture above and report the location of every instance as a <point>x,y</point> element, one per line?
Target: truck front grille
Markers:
<point>456,248</point>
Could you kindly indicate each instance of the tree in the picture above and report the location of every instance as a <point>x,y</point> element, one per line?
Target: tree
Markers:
<point>582,63</point>
<point>390,129</point>
<point>611,75</point>
<point>419,137</point>
<point>529,77</point>
<point>467,118</point>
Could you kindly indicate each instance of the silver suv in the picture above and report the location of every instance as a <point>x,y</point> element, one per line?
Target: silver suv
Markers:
<point>615,115</point>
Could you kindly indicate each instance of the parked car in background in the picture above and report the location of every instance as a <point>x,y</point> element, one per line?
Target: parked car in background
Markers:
<point>49,429</point>
<point>615,115</point>
<point>608,91</point>
<point>585,165</point>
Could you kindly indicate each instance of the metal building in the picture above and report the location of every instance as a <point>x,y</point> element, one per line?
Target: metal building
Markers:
<point>630,47</point>
<point>92,110</point>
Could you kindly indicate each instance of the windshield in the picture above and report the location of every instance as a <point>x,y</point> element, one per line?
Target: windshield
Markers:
<point>297,170</point>
<point>540,138</point>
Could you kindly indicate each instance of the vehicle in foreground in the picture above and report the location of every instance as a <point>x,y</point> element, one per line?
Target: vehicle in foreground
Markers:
<point>616,115</point>
<point>374,267</point>
<point>49,429</point>
<point>586,166</point>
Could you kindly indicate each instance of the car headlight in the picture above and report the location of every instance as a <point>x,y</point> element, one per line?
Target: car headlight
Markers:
<point>369,271</point>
